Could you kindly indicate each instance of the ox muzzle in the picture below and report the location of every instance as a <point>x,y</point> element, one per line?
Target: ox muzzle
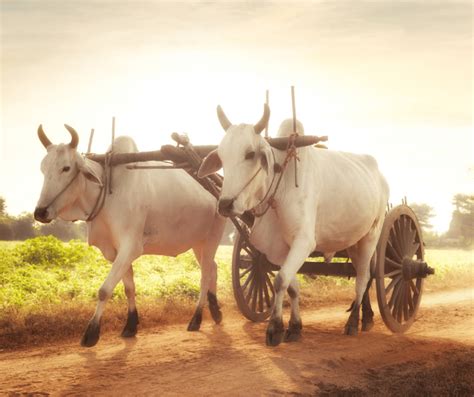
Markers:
<point>41,215</point>
<point>225,207</point>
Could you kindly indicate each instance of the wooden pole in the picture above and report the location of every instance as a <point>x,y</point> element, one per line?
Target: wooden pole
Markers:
<point>91,137</point>
<point>293,107</point>
<point>113,133</point>
<point>267,101</point>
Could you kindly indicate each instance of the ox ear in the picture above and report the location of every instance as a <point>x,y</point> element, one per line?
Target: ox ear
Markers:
<point>89,173</point>
<point>210,164</point>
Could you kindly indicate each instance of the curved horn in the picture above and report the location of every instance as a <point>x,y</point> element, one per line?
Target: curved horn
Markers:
<point>74,136</point>
<point>225,123</point>
<point>43,138</point>
<point>260,126</point>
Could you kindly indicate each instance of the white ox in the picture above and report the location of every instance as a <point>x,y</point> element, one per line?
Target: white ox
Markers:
<point>339,204</point>
<point>164,212</point>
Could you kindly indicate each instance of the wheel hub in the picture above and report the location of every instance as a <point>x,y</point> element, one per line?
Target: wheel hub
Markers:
<point>412,268</point>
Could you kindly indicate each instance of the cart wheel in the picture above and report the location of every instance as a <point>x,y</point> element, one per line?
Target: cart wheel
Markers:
<point>252,281</point>
<point>400,269</point>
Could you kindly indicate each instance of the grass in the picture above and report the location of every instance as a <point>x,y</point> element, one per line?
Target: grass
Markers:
<point>48,288</point>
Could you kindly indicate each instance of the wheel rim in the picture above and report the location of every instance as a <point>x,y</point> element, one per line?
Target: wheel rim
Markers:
<point>252,280</point>
<point>398,296</point>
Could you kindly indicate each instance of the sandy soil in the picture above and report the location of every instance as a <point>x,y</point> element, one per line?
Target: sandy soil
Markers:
<point>435,357</point>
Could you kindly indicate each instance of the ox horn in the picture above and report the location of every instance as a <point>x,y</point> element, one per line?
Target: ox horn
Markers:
<point>260,126</point>
<point>225,123</point>
<point>74,136</point>
<point>43,138</point>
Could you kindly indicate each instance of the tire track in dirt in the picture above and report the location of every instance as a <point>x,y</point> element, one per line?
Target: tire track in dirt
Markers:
<point>231,359</point>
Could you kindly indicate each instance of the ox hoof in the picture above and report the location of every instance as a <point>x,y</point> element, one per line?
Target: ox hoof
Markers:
<point>350,329</point>
<point>92,334</point>
<point>275,332</point>
<point>130,329</point>
<point>367,325</point>
<point>293,333</point>
<point>195,322</point>
<point>214,308</point>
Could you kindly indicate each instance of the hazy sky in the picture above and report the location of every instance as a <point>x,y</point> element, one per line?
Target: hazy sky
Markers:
<point>389,78</point>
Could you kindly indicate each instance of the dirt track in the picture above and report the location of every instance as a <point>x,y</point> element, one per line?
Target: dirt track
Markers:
<point>435,357</point>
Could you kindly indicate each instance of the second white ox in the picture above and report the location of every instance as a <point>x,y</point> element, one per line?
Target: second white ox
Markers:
<point>163,212</point>
<point>339,204</point>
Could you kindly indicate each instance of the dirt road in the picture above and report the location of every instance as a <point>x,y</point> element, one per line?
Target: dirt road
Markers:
<point>435,357</point>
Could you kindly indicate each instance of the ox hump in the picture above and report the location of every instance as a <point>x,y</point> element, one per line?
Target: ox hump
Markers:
<point>286,128</point>
<point>124,144</point>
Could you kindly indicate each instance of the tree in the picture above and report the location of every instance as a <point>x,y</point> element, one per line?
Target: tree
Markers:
<point>23,226</point>
<point>462,222</point>
<point>64,230</point>
<point>6,232</point>
<point>424,213</point>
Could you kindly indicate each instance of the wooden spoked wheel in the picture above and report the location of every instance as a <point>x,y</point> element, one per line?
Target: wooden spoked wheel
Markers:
<point>252,281</point>
<point>400,270</point>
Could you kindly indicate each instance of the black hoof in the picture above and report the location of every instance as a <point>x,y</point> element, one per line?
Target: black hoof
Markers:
<point>293,333</point>
<point>214,308</point>
<point>367,325</point>
<point>92,334</point>
<point>130,329</point>
<point>351,329</point>
<point>275,332</point>
<point>195,322</point>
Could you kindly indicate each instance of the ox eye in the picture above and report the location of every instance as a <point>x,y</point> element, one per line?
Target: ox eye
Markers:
<point>66,169</point>
<point>249,155</point>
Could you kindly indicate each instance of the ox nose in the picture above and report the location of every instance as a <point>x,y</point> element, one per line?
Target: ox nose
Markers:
<point>41,214</point>
<point>225,206</point>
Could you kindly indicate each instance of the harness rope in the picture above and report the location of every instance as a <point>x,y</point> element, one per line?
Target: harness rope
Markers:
<point>278,169</point>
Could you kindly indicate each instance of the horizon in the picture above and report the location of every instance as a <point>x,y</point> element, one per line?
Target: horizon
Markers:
<point>389,79</point>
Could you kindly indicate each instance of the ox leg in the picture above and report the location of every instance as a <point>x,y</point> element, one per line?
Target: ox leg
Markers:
<point>130,329</point>
<point>367,312</point>
<point>208,268</point>
<point>293,333</point>
<point>212,296</point>
<point>299,251</point>
<point>360,254</point>
<point>119,268</point>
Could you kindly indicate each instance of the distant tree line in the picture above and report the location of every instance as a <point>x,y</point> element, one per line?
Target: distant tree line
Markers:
<point>460,233</point>
<point>24,226</point>
<point>461,227</point>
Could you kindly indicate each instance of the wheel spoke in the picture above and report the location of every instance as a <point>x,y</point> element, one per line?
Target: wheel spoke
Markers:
<point>400,304</point>
<point>250,291</point>
<point>249,279</point>
<point>410,300</point>
<point>399,236</point>
<point>405,304</point>
<point>265,291</point>
<point>255,293</point>
<point>395,243</point>
<point>413,287</point>
<point>246,271</point>
<point>395,293</point>
<point>394,273</point>
<point>247,250</point>
<point>392,252</point>
<point>394,281</point>
<point>392,263</point>
<point>260,295</point>
<point>413,249</point>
